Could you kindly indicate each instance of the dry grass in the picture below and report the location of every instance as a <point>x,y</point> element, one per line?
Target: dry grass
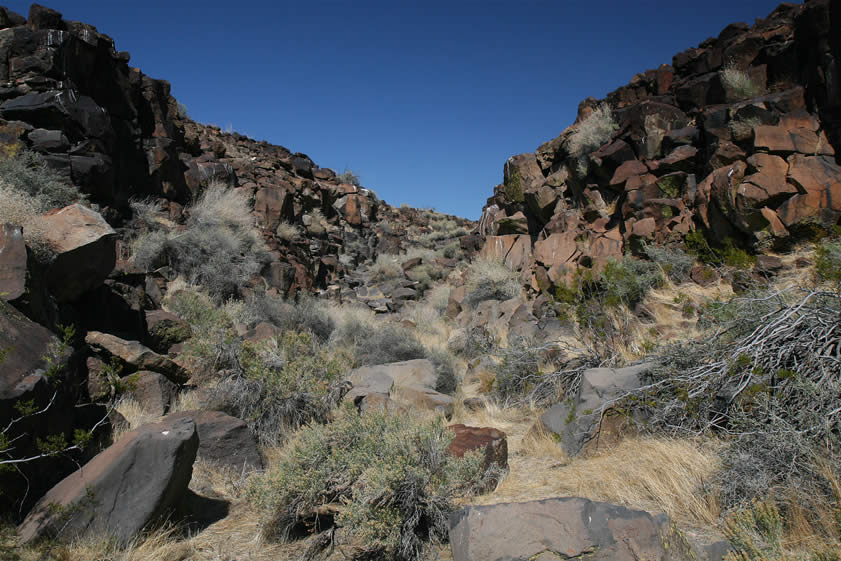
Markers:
<point>134,413</point>
<point>386,267</point>
<point>738,84</point>
<point>657,475</point>
<point>286,231</point>
<point>23,209</point>
<point>189,400</point>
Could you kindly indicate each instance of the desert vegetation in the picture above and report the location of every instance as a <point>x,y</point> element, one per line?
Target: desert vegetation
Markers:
<point>590,133</point>
<point>739,84</point>
<point>29,188</point>
<point>218,248</point>
<point>646,316</point>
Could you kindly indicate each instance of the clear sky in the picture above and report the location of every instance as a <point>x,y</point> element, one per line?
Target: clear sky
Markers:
<point>424,100</point>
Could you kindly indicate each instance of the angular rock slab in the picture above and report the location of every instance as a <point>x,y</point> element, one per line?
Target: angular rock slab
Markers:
<point>492,441</point>
<point>410,381</point>
<point>582,419</point>
<point>85,248</point>
<point>137,480</point>
<point>224,440</point>
<point>137,356</point>
<point>562,528</point>
<point>12,262</point>
<point>153,391</point>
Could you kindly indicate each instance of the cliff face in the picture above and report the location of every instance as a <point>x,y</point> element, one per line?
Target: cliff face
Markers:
<point>117,134</point>
<point>738,139</point>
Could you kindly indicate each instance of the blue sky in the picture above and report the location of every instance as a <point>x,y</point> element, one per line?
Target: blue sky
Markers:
<point>424,100</point>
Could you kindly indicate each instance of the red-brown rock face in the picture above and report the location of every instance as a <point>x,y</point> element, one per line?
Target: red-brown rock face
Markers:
<point>692,150</point>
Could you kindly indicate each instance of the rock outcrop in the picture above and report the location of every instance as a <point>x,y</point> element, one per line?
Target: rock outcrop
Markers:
<point>737,139</point>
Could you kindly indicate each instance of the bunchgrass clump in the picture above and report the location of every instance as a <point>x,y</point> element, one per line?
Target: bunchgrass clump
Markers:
<point>377,343</point>
<point>28,189</point>
<point>675,262</point>
<point>489,279</point>
<point>219,247</point>
<point>286,231</point>
<point>386,267</point>
<point>738,84</point>
<point>590,133</point>
<point>28,173</point>
<point>828,261</point>
<point>388,479</point>
<point>348,176</point>
<point>306,313</point>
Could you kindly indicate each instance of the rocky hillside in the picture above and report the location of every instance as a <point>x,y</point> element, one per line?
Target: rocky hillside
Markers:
<point>736,141</point>
<point>71,102</point>
<point>212,348</point>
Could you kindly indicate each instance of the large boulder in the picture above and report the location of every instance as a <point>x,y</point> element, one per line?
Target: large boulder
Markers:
<point>410,383</point>
<point>138,480</point>
<point>85,250</point>
<point>562,528</point>
<point>224,440</point>
<point>12,262</point>
<point>134,356</point>
<point>589,419</point>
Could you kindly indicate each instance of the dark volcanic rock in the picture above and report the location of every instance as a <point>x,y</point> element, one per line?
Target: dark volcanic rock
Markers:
<point>139,479</point>
<point>12,262</point>
<point>224,440</point>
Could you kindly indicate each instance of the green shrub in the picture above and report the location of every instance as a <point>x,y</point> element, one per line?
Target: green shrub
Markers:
<point>219,247</point>
<point>590,134</point>
<point>389,476</point>
<point>215,345</point>
<point>348,176</point>
<point>736,257</point>
<point>513,187</point>
<point>727,254</point>
<point>828,261</point>
<point>755,533</point>
<point>374,344</point>
<point>490,280</point>
<point>628,280</point>
<point>738,84</point>
<point>286,381</point>
<point>674,262</point>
